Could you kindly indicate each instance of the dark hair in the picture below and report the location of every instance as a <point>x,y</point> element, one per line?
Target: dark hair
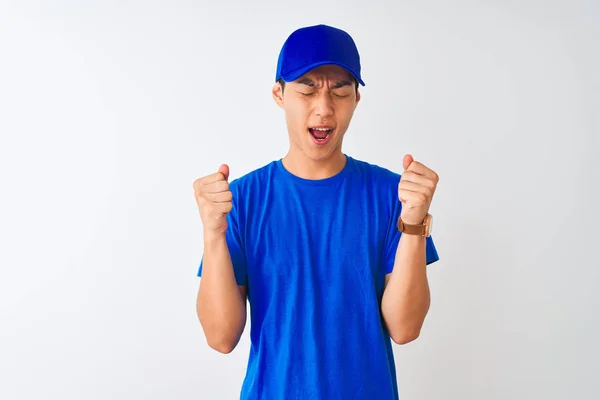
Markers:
<point>282,83</point>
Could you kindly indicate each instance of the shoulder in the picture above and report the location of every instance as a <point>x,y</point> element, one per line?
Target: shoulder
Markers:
<point>254,179</point>
<point>376,173</point>
<point>379,184</point>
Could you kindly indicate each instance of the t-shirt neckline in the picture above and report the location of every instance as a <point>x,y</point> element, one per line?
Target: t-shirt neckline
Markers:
<point>316,182</point>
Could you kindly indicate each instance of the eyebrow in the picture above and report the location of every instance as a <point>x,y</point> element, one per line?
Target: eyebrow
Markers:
<point>307,82</point>
<point>338,84</point>
<point>341,83</point>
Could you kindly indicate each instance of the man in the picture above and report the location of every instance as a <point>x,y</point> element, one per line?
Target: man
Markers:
<point>330,251</point>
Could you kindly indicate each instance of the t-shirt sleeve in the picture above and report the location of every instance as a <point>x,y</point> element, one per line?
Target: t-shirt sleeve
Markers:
<point>236,248</point>
<point>393,238</point>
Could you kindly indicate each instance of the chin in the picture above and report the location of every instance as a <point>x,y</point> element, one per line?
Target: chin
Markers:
<point>321,154</point>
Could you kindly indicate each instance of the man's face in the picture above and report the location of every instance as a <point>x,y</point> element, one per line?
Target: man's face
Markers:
<point>318,108</point>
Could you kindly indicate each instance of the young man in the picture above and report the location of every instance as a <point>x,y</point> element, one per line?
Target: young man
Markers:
<point>330,251</point>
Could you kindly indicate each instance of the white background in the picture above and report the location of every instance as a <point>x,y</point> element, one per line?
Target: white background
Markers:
<point>109,110</point>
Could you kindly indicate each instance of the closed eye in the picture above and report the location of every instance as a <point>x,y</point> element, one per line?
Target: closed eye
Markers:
<point>342,93</point>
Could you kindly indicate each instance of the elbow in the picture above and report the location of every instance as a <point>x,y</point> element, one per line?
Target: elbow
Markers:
<point>405,337</point>
<point>222,345</point>
<point>221,336</point>
<point>222,339</point>
<point>401,330</point>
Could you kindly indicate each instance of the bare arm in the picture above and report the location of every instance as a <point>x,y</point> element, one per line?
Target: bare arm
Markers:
<point>406,297</point>
<point>221,303</point>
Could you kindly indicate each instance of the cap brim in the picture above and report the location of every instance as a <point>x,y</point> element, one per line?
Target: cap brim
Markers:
<point>293,75</point>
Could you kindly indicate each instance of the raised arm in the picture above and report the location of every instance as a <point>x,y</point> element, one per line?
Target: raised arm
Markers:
<point>221,302</point>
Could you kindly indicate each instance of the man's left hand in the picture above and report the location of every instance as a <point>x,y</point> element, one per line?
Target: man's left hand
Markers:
<point>415,190</point>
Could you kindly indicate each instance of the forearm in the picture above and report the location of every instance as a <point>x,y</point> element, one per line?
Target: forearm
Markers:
<point>220,306</point>
<point>406,296</point>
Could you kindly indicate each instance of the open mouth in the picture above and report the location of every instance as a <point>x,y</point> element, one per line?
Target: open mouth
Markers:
<point>320,134</point>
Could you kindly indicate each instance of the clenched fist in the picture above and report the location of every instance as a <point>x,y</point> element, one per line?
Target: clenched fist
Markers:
<point>214,200</point>
<point>415,190</point>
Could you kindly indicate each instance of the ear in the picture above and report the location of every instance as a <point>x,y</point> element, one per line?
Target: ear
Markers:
<point>277,92</point>
<point>357,96</point>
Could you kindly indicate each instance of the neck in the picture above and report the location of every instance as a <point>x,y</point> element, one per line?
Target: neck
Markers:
<point>307,168</point>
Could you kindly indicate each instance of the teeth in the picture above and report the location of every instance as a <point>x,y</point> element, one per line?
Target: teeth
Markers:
<point>322,129</point>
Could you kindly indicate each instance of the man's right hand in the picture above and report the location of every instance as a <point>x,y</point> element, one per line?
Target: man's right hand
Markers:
<point>214,200</point>
<point>221,302</point>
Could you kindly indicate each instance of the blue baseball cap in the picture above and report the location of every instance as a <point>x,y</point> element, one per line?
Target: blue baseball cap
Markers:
<point>313,46</point>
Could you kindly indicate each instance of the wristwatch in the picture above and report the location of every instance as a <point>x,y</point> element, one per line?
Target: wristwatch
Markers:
<point>423,229</point>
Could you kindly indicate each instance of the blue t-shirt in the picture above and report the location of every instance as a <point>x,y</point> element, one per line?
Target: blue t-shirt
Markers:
<point>314,255</point>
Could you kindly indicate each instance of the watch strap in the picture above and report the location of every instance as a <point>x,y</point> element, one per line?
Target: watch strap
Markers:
<point>409,229</point>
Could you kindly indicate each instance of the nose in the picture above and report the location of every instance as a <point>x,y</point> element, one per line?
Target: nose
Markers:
<point>324,106</point>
